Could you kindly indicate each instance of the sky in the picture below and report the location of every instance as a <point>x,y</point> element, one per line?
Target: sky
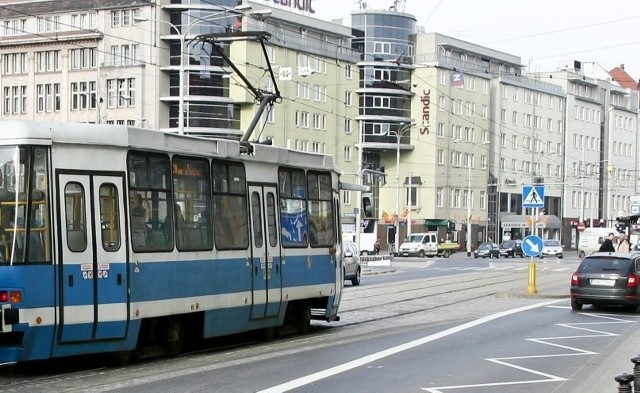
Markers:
<point>541,32</point>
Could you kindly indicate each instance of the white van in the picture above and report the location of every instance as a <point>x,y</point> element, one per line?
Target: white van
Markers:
<point>420,244</point>
<point>592,238</point>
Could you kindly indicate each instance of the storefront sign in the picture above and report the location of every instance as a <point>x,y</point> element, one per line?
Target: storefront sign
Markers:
<point>300,5</point>
<point>426,102</point>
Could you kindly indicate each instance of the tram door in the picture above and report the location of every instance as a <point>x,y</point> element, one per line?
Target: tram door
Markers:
<point>93,277</point>
<point>265,252</point>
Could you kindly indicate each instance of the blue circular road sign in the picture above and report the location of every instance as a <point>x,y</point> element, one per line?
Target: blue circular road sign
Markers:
<point>532,245</point>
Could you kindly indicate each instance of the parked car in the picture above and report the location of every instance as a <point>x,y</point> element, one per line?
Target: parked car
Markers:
<point>551,248</point>
<point>351,262</point>
<point>487,250</point>
<point>511,248</point>
<point>605,278</point>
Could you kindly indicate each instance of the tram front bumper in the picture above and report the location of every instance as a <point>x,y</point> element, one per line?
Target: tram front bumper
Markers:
<point>8,318</point>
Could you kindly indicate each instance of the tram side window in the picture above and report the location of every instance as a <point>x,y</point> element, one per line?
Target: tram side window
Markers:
<point>150,202</point>
<point>109,217</point>
<point>230,212</point>
<point>293,207</point>
<point>321,232</point>
<point>271,220</point>
<point>192,204</point>
<point>75,219</point>
<point>256,219</point>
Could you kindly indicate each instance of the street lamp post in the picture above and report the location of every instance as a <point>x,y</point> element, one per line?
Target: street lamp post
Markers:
<point>469,206</point>
<point>403,128</point>
<point>182,36</point>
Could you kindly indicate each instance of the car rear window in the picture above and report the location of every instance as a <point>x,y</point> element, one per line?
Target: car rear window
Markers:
<point>596,265</point>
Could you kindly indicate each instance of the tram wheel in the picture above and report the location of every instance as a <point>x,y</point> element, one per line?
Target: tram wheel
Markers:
<point>121,358</point>
<point>175,337</point>
<point>302,318</point>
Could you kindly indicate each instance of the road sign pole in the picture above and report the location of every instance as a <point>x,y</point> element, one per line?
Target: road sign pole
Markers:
<point>531,287</point>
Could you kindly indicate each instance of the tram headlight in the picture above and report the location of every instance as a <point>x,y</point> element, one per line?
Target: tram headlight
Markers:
<point>15,297</point>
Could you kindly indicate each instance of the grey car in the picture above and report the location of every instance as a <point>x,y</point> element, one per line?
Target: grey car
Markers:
<point>487,250</point>
<point>351,262</point>
<point>605,278</point>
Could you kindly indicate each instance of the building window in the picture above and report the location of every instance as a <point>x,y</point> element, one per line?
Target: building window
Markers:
<point>126,54</point>
<point>48,97</point>
<point>302,119</point>
<point>347,126</point>
<point>15,63</point>
<point>48,61</point>
<point>303,91</point>
<point>48,24</point>
<point>84,21</point>
<point>347,98</point>
<point>381,47</point>
<point>439,192</point>
<point>347,153</point>
<point>124,17</point>
<point>348,71</point>
<point>440,157</point>
<point>346,197</point>
<point>83,58</point>
<point>121,92</point>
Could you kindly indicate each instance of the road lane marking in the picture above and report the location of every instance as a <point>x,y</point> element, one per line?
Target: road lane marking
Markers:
<point>311,378</point>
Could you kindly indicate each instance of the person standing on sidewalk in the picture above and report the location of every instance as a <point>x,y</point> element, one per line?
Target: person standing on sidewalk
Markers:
<point>623,245</point>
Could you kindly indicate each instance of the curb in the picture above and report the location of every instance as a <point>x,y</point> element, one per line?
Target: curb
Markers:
<point>510,295</point>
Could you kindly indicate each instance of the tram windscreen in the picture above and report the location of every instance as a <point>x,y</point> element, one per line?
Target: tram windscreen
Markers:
<point>24,205</point>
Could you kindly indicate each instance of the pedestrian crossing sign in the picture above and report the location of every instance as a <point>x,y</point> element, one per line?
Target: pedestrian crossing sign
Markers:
<point>532,196</point>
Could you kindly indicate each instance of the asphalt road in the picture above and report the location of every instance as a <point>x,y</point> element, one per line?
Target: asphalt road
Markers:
<point>474,330</point>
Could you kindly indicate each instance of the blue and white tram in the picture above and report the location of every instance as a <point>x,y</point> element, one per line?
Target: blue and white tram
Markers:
<point>117,239</point>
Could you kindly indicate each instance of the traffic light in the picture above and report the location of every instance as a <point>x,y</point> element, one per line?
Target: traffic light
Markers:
<point>621,226</point>
<point>451,226</point>
<point>367,205</point>
<point>391,234</point>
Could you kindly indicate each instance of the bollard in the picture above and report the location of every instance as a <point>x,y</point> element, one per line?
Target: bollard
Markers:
<point>531,288</point>
<point>624,380</point>
<point>636,373</point>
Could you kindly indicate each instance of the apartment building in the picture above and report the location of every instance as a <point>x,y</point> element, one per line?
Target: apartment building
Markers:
<point>140,63</point>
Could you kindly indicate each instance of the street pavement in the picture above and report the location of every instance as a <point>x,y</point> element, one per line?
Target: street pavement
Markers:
<point>599,374</point>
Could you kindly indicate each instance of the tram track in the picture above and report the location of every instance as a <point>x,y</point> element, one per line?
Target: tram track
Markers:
<point>365,310</point>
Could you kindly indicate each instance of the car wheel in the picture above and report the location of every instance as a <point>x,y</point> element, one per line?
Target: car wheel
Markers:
<point>576,305</point>
<point>421,254</point>
<point>475,256</point>
<point>498,256</point>
<point>447,253</point>
<point>356,280</point>
<point>365,253</point>
<point>490,255</point>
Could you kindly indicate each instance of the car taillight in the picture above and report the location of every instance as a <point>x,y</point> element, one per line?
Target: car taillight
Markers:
<point>632,281</point>
<point>574,278</point>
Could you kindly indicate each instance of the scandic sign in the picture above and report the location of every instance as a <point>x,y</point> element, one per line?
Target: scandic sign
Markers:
<point>300,5</point>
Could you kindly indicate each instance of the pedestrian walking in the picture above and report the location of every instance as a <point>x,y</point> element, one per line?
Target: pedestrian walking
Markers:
<point>623,245</point>
<point>607,244</point>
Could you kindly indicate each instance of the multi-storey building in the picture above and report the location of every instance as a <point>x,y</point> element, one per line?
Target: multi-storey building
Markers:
<point>601,140</point>
<point>528,131</point>
<point>121,62</point>
<point>384,95</point>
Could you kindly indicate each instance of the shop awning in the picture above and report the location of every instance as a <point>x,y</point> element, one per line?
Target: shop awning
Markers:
<point>436,222</point>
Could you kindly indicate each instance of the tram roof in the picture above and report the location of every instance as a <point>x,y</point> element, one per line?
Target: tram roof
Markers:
<point>48,133</point>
